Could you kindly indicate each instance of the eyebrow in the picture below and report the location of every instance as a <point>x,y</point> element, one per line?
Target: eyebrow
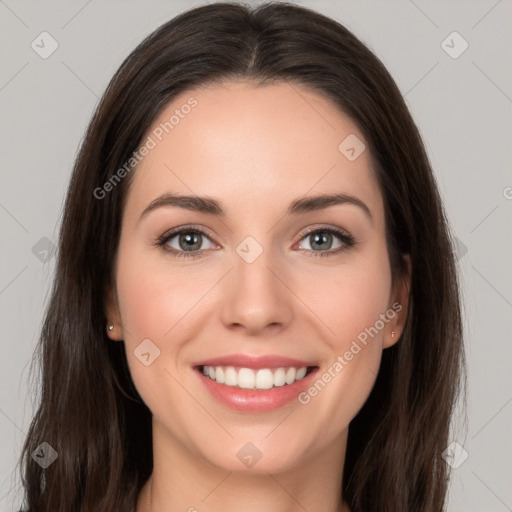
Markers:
<point>213,207</point>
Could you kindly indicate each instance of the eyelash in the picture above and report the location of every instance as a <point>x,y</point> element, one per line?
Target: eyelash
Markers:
<point>347,240</point>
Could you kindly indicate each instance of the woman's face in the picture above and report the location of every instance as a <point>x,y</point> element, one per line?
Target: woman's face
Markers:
<point>255,290</point>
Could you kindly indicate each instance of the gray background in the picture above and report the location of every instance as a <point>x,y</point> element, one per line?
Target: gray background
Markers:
<point>462,106</point>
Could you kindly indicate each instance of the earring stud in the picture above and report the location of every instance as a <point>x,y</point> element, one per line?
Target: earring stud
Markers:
<point>392,334</point>
<point>110,328</point>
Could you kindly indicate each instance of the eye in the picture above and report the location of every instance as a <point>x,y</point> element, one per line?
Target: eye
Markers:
<point>190,242</point>
<point>322,241</point>
<point>185,242</point>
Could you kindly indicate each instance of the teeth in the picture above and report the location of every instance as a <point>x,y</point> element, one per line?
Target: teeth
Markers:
<point>301,373</point>
<point>264,379</point>
<point>279,377</point>
<point>290,375</point>
<point>230,376</point>
<point>247,378</point>
<point>219,375</point>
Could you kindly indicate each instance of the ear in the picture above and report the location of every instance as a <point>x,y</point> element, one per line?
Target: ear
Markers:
<point>398,304</point>
<point>113,316</point>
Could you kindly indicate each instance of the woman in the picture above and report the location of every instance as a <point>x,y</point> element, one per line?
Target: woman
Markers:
<point>201,350</point>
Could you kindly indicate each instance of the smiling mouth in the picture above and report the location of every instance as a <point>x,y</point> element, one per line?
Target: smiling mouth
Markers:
<point>251,379</point>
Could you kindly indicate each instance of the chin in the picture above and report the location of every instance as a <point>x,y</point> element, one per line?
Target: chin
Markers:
<point>259,456</point>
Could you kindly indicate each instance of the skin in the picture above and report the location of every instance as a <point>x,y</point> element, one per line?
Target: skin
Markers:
<point>255,149</point>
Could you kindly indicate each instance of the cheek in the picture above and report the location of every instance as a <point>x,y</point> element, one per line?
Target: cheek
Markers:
<point>154,302</point>
<point>150,305</point>
<point>357,309</point>
<point>353,304</point>
<point>154,297</point>
<point>159,300</point>
<point>349,300</point>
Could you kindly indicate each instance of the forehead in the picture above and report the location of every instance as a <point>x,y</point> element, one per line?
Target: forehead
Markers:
<point>254,147</point>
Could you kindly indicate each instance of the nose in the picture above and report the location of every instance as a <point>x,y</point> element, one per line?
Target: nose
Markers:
<point>256,296</point>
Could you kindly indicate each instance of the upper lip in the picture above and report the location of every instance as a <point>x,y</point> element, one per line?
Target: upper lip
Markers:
<point>254,362</point>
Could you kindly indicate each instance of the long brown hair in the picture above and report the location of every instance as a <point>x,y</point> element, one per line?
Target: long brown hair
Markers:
<point>89,410</point>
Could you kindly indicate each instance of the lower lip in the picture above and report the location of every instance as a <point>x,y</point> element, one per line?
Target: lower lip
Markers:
<point>253,400</point>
